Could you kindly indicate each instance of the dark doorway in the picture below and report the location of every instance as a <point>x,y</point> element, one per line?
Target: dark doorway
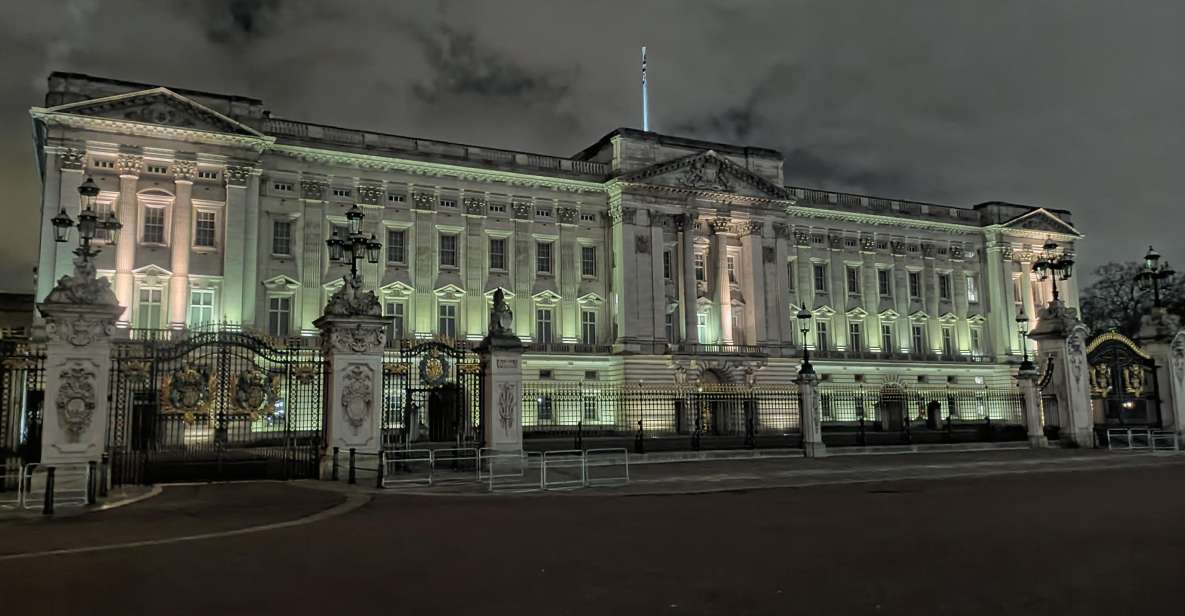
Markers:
<point>444,413</point>
<point>892,403</point>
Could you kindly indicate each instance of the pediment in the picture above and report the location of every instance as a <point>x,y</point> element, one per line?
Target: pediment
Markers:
<point>491,290</point>
<point>976,319</point>
<point>706,171</point>
<point>889,314</point>
<point>449,291</point>
<point>824,311</point>
<point>398,287</point>
<point>856,313</point>
<point>918,315</point>
<point>1042,219</point>
<point>590,299</point>
<point>948,317</point>
<point>546,297</point>
<point>158,106</point>
<point>281,283</point>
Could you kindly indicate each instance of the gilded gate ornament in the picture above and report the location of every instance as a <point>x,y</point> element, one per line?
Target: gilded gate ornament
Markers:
<point>189,391</point>
<point>1134,380</point>
<point>256,392</point>
<point>1100,380</point>
<point>433,368</point>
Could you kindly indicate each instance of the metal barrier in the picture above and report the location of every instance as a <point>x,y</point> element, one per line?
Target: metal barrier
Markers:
<point>1141,439</point>
<point>512,471</point>
<point>405,466</point>
<point>557,462</point>
<point>60,485</point>
<point>11,475</point>
<point>606,458</point>
<point>455,456</point>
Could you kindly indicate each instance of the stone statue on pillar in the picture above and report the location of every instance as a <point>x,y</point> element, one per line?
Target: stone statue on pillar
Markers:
<point>501,360</point>
<point>1061,345</point>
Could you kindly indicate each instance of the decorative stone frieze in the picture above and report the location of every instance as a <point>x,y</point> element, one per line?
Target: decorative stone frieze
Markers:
<point>567,215</point>
<point>521,210</point>
<point>370,194</point>
<point>802,236</point>
<point>423,201</point>
<point>313,189</point>
<point>475,206</point>
<point>72,158</point>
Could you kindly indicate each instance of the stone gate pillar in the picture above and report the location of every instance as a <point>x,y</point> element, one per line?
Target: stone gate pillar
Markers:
<point>502,392</point>
<point>808,408</point>
<point>353,334</point>
<point>1061,347</point>
<point>1026,378</point>
<point>80,314</point>
<point>1163,339</point>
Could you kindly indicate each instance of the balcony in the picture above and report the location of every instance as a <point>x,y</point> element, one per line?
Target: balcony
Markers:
<point>830,355</point>
<point>570,348</point>
<point>748,350</point>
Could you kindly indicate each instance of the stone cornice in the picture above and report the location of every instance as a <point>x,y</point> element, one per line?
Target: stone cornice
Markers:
<point>1039,235</point>
<point>430,169</point>
<point>883,221</point>
<point>715,196</point>
<point>157,131</point>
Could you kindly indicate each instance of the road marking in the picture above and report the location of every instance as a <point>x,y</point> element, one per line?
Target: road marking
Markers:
<point>353,501</point>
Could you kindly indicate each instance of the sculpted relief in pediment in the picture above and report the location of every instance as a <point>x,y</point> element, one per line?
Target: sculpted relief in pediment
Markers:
<point>158,107</point>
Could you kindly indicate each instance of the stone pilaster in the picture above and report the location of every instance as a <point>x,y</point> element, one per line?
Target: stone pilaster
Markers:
<point>721,231</point>
<point>125,251</point>
<point>753,281</point>
<point>183,171</point>
<point>353,347</point>
<point>686,227</point>
<point>234,254</point>
<point>1061,347</point>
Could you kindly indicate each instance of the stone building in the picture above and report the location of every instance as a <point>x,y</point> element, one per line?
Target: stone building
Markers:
<point>643,258</point>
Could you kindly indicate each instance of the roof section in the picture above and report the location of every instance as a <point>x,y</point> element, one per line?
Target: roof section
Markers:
<point>158,106</point>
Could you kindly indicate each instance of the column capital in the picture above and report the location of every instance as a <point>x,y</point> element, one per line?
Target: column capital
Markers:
<point>721,225</point>
<point>184,170</point>
<point>72,159</point>
<point>129,165</point>
<point>237,175</point>
<point>686,221</point>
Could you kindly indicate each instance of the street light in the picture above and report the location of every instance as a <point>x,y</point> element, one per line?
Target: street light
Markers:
<point>1053,265</point>
<point>804,326</point>
<point>359,246</point>
<point>1022,324</point>
<point>1153,273</point>
<point>90,224</point>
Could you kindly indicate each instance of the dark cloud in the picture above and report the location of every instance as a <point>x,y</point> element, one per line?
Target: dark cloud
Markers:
<point>237,21</point>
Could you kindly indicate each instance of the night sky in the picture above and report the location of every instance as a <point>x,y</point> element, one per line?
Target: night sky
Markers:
<point>1071,104</point>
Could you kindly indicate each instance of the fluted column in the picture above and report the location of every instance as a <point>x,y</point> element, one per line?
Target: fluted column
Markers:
<point>754,284</point>
<point>183,171</point>
<point>234,263</point>
<point>686,226</point>
<point>721,228</point>
<point>997,285</point>
<point>129,167</point>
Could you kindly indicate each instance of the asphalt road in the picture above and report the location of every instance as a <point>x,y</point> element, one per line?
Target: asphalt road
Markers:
<point>1077,542</point>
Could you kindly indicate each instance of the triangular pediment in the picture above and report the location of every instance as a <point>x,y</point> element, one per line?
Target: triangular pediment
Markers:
<point>706,171</point>
<point>889,314</point>
<point>158,106</point>
<point>918,315</point>
<point>590,299</point>
<point>398,288</point>
<point>281,283</point>
<point>1041,219</point>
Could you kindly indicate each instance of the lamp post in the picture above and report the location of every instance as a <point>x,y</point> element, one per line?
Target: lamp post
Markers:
<point>355,242</point>
<point>1022,325</point>
<point>1154,272</point>
<point>1053,265</point>
<point>90,223</point>
<point>804,326</point>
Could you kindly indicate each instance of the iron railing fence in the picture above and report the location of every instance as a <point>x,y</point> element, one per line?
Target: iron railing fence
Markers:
<point>851,404</point>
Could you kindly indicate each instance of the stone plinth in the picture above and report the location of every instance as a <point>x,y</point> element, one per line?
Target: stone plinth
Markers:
<point>77,374</point>
<point>1161,337</point>
<point>501,363</point>
<point>1061,347</point>
<point>1027,380</point>
<point>353,347</point>
<point>812,430</point>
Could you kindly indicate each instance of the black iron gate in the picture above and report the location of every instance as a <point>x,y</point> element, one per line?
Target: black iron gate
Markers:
<point>22,396</point>
<point>1123,383</point>
<point>431,394</point>
<point>215,406</point>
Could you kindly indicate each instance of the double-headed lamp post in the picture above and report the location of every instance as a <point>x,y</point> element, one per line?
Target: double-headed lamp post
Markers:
<point>1053,265</point>
<point>356,242</point>
<point>804,326</point>
<point>1152,275</point>
<point>90,222</point>
<point>1022,326</point>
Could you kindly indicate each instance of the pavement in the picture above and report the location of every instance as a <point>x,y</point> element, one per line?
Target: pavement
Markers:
<point>1058,532</point>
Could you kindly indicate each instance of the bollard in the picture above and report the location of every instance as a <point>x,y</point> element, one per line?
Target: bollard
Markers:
<point>382,468</point>
<point>863,441</point>
<point>91,477</point>
<point>352,477</point>
<point>950,435</point>
<point>987,419</point>
<point>104,464</point>
<point>47,508</point>
<point>333,473</point>
<point>639,440</point>
<point>579,442</point>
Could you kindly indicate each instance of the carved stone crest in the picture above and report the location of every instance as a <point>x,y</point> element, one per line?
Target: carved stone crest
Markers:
<point>76,400</point>
<point>507,402</point>
<point>475,206</point>
<point>369,194</point>
<point>357,396</point>
<point>567,215</point>
<point>356,339</point>
<point>521,210</point>
<point>707,173</point>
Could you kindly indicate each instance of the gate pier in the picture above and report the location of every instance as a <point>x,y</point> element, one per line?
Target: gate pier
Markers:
<point>353,348</point>
<point>1061,345</point>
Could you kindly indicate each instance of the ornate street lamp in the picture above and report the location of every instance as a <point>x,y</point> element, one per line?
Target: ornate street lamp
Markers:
<point>1022,325</point>
<point>90,224</point>
<point>1053,265</point>
<point>359,246</point>
<point>1153,273</point>
<point>804,326</point>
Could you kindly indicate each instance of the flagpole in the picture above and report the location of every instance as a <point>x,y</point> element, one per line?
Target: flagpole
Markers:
<point>645,95</point>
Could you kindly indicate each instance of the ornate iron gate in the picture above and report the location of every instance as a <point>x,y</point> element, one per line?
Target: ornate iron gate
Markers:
<point>1123,383</point>
<point>431,394</point>
<point>215,405</point>
<point>22,396</point>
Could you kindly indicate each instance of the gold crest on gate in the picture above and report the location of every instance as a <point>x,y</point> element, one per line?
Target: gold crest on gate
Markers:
<point>188,391</point>
<point>433,368</point>
<point>256,392</point>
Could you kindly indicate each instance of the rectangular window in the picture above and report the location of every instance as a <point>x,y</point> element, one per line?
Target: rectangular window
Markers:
<point>1016,294</point>
<point>395,312</point>
<point>887,339</point>
<point>544,402</point>
<point>101,163</point>
<point>915,285</point>
<point>543,325</point>
<point>820,278</point>
<point>668,265</point>
<point>855,337</point>
<point>281,237</point>
<point>944,287</point>
<point>201,306</point>
<point>448,250</point>
<point>149,311</point>
<point>884,282</point>
<point>154,225</point>
<point>284,187</point>
<point>204,229</point>
<point>853,281</point>
<point>919,339</point>
<point>732,270</point>
<point>343,192</point>
<point>701,326</point>
<point>670,327</point>
<point>588,327</point>
<point>791,276</point>
<point>396,198</point>
<point>543,257</point>
<point>588,217</point>
<point>207,174</point>
<point>498,253</point>
<point>451,203</point>
<point>972,290</point>
<point>701,268</point>
<point>588,260</point>
<point>976,344</point>
<point>446,322</point>
<point>158,169</point>
<point>396,246</point>
<point>821,341</point>
<point>948,342</point>
<point>279,316</point>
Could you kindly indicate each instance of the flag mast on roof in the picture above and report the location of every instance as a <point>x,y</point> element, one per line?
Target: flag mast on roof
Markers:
<point>645,95</point>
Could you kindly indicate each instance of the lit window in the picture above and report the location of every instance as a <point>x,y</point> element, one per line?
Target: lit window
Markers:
<point>919,339</point>
<point>279,315</point>
<point>201,306</point>
<point>281,237</point>
<point>588,326</point>
<point>821,335</point>
<point>498,253</point>
<point>154,225</point>
<point>948,342</point>
<point>448,250</point>
<point>976,342</point>
<point>396,246</point>
<point>446,323</point>
<point>543,325</point>
<point>887,339</point>
<point>701,326</point>
<point>588,261</point>
<point>855,337</point>
<point>544,402</point>
<point>148,313</point>
<point>543,257</point>
<point>395,312</point>
<point>972,290</point>
<point>204,229</point>
<point>820,278</point>
<point>701,268</point>
<point>732,270</point>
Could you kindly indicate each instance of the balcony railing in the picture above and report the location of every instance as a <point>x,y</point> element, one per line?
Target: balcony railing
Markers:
<point>568,347</point>
<point>683,348</point>
<point>896,356</point>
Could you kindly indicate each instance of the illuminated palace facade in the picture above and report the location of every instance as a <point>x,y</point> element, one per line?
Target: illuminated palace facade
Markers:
<point>643,258</point>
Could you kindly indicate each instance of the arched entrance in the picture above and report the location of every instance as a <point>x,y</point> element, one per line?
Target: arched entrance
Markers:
<point>892,407</point>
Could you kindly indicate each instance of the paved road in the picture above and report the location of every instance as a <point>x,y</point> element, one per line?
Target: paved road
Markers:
<point>1097,542</point>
